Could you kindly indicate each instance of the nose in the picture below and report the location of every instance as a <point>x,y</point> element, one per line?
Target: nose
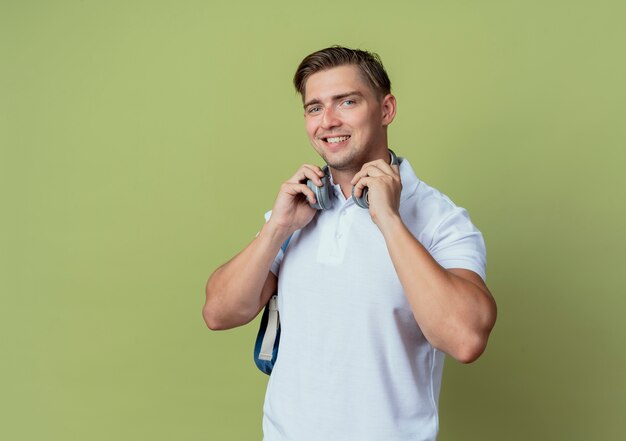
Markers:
<point>330,118</point>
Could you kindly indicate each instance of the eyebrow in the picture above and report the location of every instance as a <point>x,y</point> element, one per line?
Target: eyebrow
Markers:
<point>334,98</point>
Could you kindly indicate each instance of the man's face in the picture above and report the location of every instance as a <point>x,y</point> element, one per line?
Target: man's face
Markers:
<point>345,121</point>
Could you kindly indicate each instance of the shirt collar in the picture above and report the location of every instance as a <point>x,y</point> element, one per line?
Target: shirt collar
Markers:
<point>409,180</point>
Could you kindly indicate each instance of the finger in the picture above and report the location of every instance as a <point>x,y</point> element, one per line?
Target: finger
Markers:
<point>370,169</point>
<point>387,167</point>
<point>383,165</point>
<point>294,189</point>
<point>378,168</point>
<point>318,174</point>
<point>361,184</point>
<point>315,168</point>
<point>305,172</point>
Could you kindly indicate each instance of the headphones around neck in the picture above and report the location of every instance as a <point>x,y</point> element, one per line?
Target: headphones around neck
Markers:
<point>323,193</point>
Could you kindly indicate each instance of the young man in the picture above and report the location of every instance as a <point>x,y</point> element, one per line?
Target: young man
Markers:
<point>370,299</point>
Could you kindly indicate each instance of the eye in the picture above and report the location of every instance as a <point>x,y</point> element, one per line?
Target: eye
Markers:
<point>349,103</point>
<point>313,109</point>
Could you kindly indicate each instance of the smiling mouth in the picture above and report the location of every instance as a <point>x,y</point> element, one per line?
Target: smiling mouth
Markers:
<point>336,139</point>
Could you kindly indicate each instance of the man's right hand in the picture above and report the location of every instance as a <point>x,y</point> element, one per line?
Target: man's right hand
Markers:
<point>291,209</point>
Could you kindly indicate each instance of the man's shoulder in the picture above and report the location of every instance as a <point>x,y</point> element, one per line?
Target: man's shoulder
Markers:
<point>420,192</point>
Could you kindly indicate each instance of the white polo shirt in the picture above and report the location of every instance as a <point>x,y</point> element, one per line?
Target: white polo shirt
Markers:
<point>353,365</point>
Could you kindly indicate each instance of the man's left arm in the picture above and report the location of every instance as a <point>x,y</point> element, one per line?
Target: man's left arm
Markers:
<point>453,307</point>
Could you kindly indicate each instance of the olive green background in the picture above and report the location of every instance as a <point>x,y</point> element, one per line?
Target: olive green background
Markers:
<point>142,141</point>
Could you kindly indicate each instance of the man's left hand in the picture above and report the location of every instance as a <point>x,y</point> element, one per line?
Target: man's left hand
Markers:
<point>385,186</point>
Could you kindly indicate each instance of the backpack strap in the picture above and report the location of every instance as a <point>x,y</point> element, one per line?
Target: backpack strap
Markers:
<point>284,245</point>
<point>266,352</point>
<point>268,337</point>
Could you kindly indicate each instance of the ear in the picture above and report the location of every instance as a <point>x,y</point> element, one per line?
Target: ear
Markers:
<point>388,107</point>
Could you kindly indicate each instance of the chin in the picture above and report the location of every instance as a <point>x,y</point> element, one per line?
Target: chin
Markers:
<point>342,165</point>
<point>339,162</point>
<point>348,160</point>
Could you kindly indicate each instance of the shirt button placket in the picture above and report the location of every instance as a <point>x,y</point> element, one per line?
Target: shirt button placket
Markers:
<point>339,233</point>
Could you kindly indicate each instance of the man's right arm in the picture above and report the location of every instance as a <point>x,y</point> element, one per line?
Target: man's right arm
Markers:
<point>237,290</point>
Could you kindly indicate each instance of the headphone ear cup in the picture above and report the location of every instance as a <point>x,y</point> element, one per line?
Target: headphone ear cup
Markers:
<point>363,201</point>
<point>323,200</point>
<point>394,158</point>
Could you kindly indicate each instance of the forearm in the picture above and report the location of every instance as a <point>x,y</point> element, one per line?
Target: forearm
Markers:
<point>234,290</point>
<point>454,313</point>
<point>237,290</point>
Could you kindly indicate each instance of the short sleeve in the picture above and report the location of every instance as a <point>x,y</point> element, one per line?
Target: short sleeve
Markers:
<point>279,257</point>
<point>457,243</point>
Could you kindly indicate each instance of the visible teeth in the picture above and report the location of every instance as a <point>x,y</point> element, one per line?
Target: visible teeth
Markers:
<point>337,139</point>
